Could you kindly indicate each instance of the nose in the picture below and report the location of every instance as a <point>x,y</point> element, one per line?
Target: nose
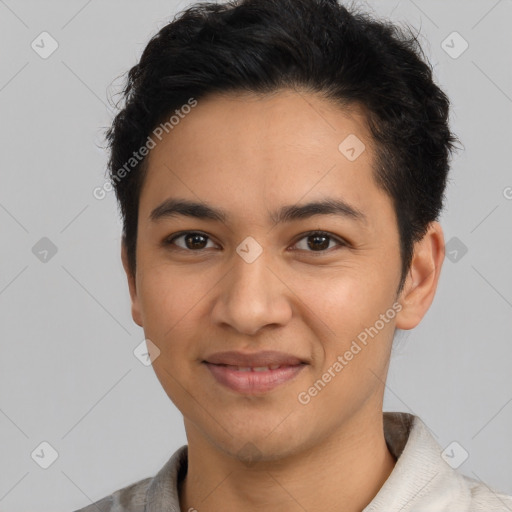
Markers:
<point>252,296</point>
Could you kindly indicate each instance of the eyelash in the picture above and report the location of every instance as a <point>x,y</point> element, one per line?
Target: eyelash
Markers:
<point>341,243</point>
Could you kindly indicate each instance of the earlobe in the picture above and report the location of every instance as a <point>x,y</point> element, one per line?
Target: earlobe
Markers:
<point>421,283</point>
<point>136,313</point>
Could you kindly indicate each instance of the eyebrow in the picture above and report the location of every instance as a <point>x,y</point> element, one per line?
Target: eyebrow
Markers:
<point>330,206</point>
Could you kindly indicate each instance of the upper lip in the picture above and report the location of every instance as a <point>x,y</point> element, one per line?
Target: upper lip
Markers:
<point>256,359</point>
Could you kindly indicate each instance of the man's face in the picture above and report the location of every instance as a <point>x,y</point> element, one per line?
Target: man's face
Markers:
<point>308,296</point>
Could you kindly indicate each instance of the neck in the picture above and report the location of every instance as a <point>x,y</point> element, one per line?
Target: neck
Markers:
<point>344,472</point>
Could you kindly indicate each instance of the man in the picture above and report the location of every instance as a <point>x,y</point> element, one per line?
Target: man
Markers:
<point>280,167</point>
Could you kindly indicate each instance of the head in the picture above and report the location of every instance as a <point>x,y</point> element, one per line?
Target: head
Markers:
<point>249,107</point>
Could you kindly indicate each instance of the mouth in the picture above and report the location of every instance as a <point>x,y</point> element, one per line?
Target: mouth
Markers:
<point>253,379</point>
<point>253,368</point>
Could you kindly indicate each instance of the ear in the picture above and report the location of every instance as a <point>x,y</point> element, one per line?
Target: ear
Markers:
<point>136,313</point>
<point>421,283</point>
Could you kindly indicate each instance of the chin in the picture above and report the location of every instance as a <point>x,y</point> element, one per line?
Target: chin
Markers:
<point>250,444</point>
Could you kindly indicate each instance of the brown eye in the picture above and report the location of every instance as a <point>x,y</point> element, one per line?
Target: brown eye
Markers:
<point>192,241</point>
<point>319,241</point>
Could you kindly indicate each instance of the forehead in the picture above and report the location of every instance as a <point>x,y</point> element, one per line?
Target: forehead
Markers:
<point>286,123</point>
<point>263,149</point>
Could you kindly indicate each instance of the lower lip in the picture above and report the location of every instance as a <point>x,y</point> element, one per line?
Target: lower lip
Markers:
<point>251,382</point>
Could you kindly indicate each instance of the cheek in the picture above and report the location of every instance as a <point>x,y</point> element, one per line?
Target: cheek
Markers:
<point>347,300</point>
<point>170,300</point>
<point>354,318</point>
<point>171,304</point>
<point>356,347</point>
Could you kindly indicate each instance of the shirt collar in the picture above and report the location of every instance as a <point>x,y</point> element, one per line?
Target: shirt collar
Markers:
<point>421,480</point>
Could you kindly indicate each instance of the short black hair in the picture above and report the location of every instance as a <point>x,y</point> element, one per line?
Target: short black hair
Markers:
<point>317,46</point>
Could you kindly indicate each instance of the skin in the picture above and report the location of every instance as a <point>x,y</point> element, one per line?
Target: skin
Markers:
<point>250,155</point>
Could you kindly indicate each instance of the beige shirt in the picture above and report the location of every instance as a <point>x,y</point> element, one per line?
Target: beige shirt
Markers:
<point>421,481</point>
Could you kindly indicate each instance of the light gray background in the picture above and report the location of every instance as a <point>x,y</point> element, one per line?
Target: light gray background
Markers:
<point>68,375</point>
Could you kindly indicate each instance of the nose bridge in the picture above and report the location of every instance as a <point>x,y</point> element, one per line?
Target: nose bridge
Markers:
<point>251,295</point>
<point>250,273</point>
